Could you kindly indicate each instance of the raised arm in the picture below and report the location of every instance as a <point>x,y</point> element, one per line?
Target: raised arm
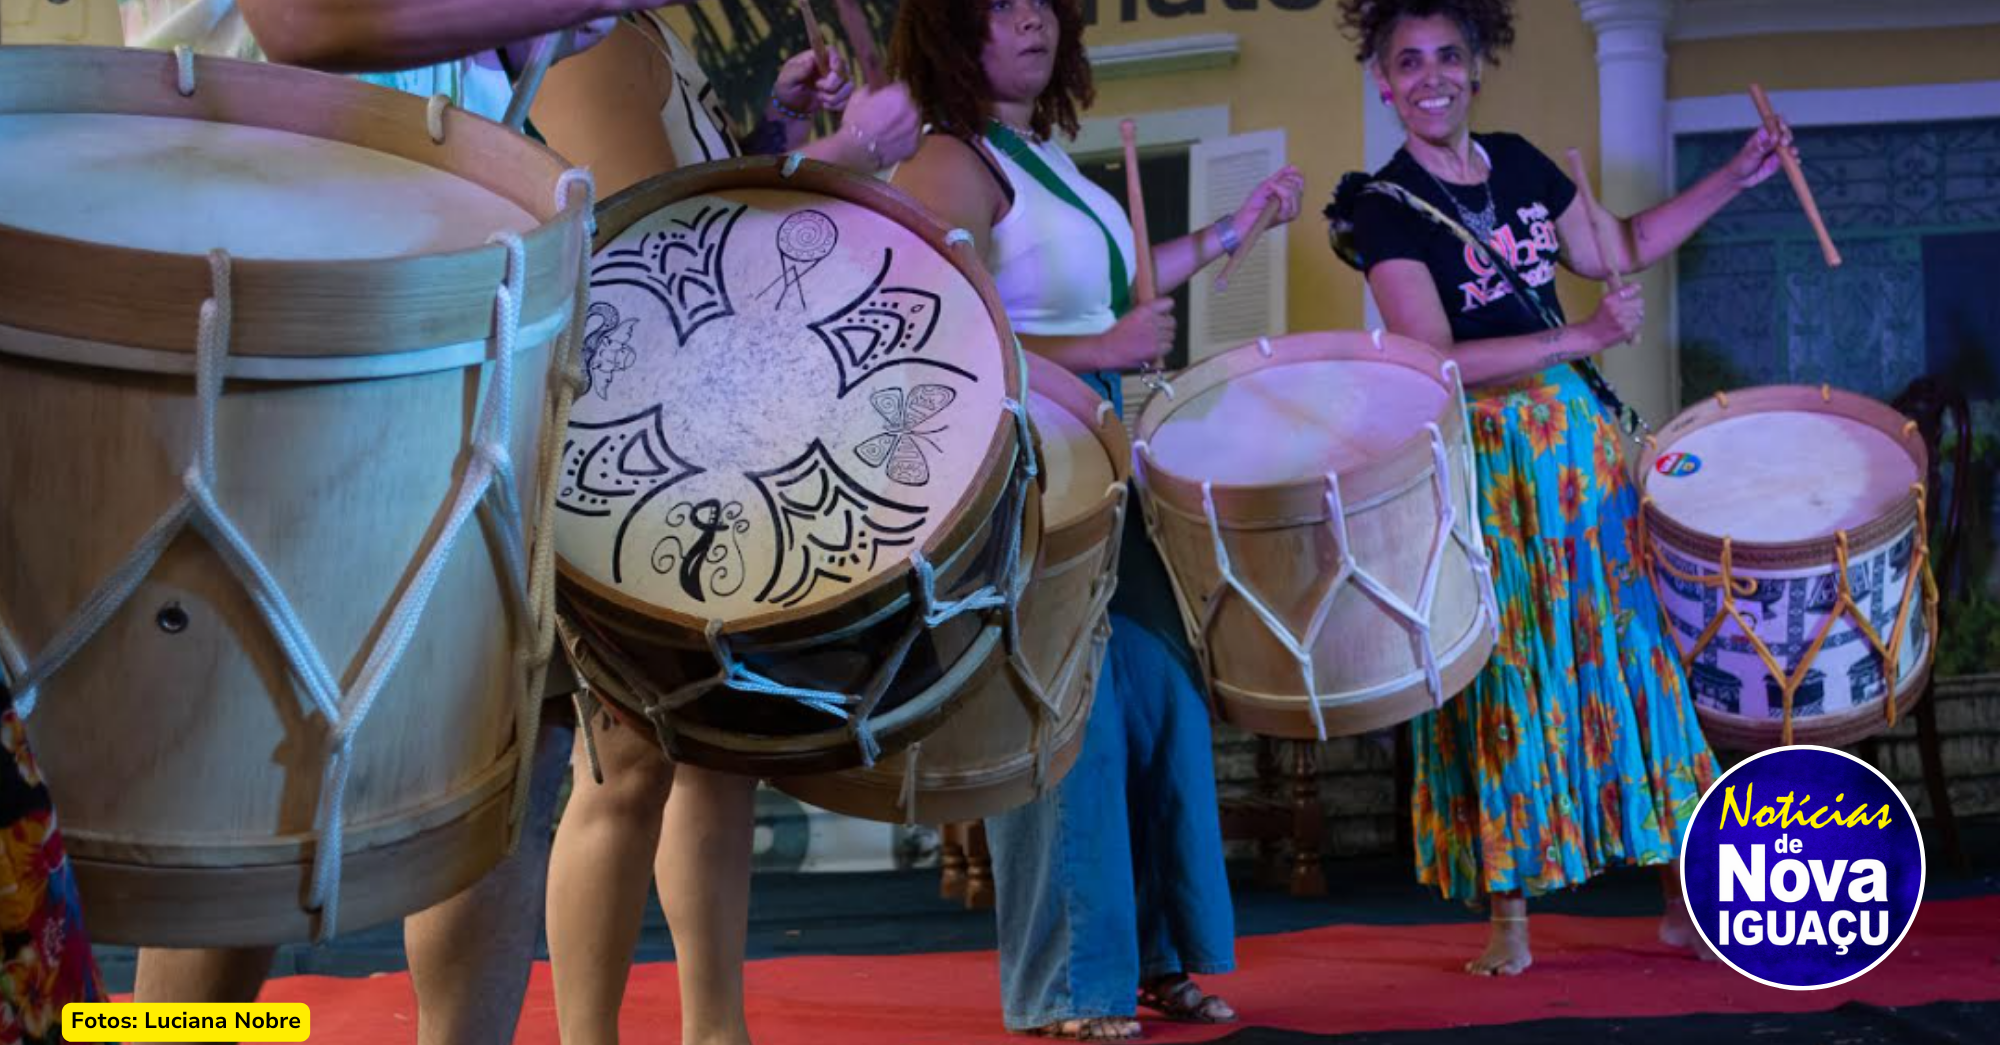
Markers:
<point>1640,241</point>
<point>353,36</point>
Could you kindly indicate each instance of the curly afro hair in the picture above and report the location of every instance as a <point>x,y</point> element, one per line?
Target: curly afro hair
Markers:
<point>1488,24</point>
<point>935,49</point>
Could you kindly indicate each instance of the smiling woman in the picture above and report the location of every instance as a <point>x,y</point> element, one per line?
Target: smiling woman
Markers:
<point>1576,749</point>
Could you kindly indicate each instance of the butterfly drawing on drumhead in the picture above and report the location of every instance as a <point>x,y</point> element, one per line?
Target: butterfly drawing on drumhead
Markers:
<point>899,452</point>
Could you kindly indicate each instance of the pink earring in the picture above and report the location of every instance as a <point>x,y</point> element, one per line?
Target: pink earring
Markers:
<point>1386,98</point>
<point>1475,87</point>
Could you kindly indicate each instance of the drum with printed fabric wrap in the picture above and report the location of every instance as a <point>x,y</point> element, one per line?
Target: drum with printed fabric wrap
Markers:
<point>1020,732</point>
<point>1785,534</point>
<point>795,498</point>
<point>1312,496</point>
<point>264,582</point>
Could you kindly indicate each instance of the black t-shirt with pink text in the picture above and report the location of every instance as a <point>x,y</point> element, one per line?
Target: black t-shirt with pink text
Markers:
<point>1529,193</point>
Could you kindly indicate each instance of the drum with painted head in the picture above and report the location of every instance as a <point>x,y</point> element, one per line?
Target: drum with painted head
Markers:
<point>796,499</point>
<point>1785,535</point>
<point>1021,730</point>
<point>278,356</point>
<point>1312,496</point>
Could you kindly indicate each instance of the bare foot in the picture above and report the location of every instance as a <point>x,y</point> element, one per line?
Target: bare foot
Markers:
<point>1095,1028</point>
<point>1507,941</point>
<point>1676,924</point>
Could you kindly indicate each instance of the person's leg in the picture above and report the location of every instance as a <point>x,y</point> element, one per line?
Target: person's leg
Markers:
<point>1185,920</point>
<point>703,868</point>
<point>599,875</point>
<point>225,975</point>
<point>470,955</point>
<point>1676,924</point>
<point>1062,873</point>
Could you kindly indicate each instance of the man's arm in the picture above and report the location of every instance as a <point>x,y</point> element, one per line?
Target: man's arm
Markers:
<point>352,36</point>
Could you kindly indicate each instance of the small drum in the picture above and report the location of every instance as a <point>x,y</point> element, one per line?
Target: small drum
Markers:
<point>1785,534</point>
<point>795,489</point>
<point>263,562</point>
<point>1021,731</point>
<point>1313,499</point>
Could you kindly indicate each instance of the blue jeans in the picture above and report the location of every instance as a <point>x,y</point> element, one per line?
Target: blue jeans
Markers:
<point>1117,874</point>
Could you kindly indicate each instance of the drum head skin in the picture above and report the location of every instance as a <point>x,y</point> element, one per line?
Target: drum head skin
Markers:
<point>187,186</point>
<point>787,393</point>
<point>1286,423</point>
<point>1781,475</point>
<point>1074,463</point>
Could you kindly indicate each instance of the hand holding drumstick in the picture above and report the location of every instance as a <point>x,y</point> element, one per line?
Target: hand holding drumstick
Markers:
<point>1775,131</point>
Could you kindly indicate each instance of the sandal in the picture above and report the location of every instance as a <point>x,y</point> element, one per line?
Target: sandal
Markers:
<point>1179,998</point>
<point>1094,1028</point>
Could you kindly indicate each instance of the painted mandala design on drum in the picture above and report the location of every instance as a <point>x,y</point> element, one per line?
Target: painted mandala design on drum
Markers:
<point>607,348</point>
<point>900,450</point>
<point>882,327</point>
<point>680,267</point>
<point>804,240</point>
<point>607,464</point>
<point>712,561</point>
<point>829,526</point>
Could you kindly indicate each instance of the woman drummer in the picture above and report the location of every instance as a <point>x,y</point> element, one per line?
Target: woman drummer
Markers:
<point>1111,889</point>
<point>1577,748</point>
<point>635,106</point>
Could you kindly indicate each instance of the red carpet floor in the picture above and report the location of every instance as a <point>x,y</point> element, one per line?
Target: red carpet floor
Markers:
<point>1326,981</point>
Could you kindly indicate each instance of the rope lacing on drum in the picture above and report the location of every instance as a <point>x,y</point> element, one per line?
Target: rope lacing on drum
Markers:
<point>184,70</point>
<point>486,484</point>
<point>1453,528</point>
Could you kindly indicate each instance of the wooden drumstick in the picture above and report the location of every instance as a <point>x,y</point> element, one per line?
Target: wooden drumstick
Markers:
<point>1135,202</point>
<point>540,56</point>
<point>1797,176</point>
<point>814,36</point>
<point>1592,211</point>
<point>862,40</point>
<point>1264,219</point>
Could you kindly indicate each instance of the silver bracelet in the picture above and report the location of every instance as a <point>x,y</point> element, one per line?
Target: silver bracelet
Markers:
<point>1225,231</point>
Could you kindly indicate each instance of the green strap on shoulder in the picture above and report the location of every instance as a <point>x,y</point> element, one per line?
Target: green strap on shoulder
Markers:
<point>1003,138</point>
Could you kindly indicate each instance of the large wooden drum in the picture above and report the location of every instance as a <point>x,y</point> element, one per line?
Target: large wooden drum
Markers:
<point>795,497</point>
<point>1313,499</point>
<point>261,567</point>
<point>1786,537</point>
<point>1021,730</point>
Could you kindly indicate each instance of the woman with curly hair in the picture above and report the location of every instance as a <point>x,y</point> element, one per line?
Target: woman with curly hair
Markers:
<point>1110,889</point>
<point>1577,748</point>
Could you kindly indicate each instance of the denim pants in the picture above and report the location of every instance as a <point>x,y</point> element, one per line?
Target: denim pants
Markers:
<point>1117,873</point>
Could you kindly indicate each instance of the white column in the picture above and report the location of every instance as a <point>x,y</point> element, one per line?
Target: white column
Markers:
<point>1633,163</point>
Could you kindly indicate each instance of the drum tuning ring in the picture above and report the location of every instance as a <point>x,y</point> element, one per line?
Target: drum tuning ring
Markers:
<point>172,619</point>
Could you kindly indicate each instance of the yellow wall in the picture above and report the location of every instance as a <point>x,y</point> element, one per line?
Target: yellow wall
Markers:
<point>75,22</point>
<point>1817,61</point>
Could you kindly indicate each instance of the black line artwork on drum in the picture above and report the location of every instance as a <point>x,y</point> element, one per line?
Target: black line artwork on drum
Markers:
<point>712,521</point>
<point>804,240</point>
<point>1715,687</point>
<point>607,348</point>
<point>1808,699</point>
<point>606,463</point>
<point>679,266</point>
<point>882,327</point>
<point>900,450</point>
<point>829,526</point>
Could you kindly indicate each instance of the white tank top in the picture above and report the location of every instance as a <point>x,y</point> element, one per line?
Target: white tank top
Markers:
<point>1049,260</point>
<point>695,124</point>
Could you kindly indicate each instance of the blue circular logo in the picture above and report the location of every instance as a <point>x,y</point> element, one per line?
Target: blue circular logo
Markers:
<point>1803,867</point>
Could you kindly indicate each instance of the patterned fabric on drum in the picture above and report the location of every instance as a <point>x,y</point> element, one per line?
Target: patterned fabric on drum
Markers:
<point>1117,873</point>
<point>46,961</point>
<point>1577,747</point>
